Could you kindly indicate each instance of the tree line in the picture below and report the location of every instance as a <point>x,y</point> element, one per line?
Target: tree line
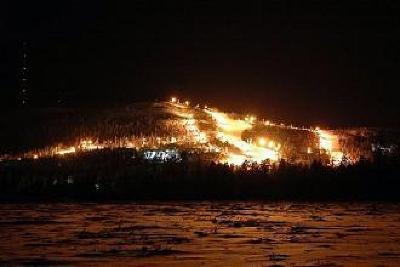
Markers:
<point>122,174</point>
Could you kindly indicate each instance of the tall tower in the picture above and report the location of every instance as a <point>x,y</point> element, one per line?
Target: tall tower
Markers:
<point>24,90</point>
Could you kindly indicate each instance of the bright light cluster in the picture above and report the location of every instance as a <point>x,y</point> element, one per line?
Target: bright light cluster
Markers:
<point>230,131</point>
<point>67,150</point>
<point>329,143</point>
<point>89,145</point>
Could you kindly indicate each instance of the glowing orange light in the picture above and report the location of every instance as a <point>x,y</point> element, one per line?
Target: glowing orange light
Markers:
<point>230,131</point>
<point>67,150</point>
<point>89,145</point>
<point>271,144</point>
<point>261,141</point>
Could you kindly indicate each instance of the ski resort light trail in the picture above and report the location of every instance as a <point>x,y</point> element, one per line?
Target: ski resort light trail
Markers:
<point>230,131</point>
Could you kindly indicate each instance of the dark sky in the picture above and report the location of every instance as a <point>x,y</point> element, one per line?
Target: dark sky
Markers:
<point>318,62</point>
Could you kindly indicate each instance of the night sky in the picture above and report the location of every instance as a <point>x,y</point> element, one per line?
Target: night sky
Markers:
<point>313,62</point>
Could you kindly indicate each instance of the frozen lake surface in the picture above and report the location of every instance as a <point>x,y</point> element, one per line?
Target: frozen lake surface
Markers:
<point>201,233</point>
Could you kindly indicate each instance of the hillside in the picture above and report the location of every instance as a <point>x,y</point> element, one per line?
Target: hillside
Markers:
<point>235,138</point>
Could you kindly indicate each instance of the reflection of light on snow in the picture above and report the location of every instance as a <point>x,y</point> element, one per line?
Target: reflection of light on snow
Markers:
<point>194,131</point>
<point>271,144</point>
<point>89,145</point>
<point>67,150</point>
<point>261,141</point>
<point>230,131</point>
<point>336,158</point>
<point>330,143</point>
<point>325,140</point>
<point>235,159</point>
<point>190,123</point>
